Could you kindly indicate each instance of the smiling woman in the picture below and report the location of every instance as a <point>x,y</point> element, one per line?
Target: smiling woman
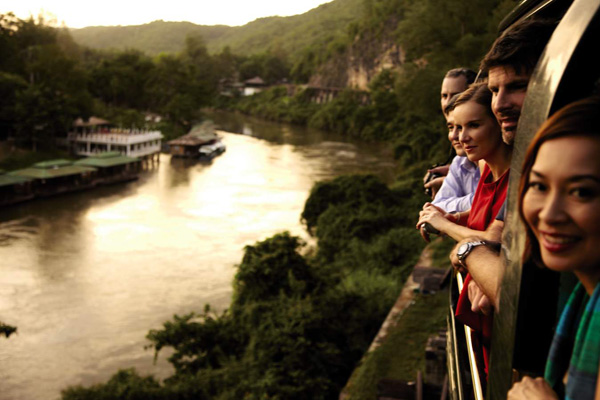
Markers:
<point>560,204</point>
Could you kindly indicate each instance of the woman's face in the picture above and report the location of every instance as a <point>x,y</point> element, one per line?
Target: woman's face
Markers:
<point>562,205</point>
<point>479,132</point>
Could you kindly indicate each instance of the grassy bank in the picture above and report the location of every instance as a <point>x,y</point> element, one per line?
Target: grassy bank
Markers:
<point>403,352</point>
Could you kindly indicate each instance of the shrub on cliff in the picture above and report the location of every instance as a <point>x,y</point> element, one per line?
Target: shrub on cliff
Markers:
<point>350,190</point>
<point>271,267</point>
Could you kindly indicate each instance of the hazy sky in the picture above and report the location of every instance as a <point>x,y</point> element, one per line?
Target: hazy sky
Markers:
<point>78,14</point>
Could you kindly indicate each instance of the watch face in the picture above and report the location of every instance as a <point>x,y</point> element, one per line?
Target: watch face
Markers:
<point>464,248</point>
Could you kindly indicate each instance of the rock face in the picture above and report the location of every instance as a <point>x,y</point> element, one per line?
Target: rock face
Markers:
<point>361,62</point>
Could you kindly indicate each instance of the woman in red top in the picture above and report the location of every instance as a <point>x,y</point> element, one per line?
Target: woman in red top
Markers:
<point>481,138</point>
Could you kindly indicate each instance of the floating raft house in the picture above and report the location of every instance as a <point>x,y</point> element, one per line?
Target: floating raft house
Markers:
<point>112,166</point>
<point>52,169</point>
<point>57,176</point>
<point>188,145</point>
<point>14,189</point>
<point>9,180</point>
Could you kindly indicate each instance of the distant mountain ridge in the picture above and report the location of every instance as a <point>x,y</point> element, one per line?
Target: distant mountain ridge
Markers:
<point>283,34</point>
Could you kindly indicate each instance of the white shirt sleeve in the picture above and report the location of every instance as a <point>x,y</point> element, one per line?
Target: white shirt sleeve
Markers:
<point>452,196</point>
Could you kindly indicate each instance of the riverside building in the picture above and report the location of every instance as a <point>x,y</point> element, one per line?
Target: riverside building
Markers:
<point>95,136</point>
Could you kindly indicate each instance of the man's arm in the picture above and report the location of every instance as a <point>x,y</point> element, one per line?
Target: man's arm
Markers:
<point>485,265</point>
<point>444,224</point>
<point>452,203</point>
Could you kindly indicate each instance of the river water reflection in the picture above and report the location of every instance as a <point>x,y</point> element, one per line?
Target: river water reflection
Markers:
<point>86,275</point>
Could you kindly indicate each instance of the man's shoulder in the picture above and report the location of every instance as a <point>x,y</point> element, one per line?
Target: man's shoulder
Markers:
<point>463,163</point>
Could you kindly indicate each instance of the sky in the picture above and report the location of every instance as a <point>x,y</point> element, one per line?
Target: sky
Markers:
<point>79,14</point>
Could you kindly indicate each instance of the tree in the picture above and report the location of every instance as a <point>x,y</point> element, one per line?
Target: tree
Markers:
<point>203,77</point>
<point>121,79</point>
<point>10,86</point>
<point>6,330</point>
<point>271,267</point>
<point>226,64</point>
<point>270,67</point>
<point>43,88</point>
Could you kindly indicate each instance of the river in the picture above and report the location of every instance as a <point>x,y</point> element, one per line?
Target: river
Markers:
<point>86,275</point>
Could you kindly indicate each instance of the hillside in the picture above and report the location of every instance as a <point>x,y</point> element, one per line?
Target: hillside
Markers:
<point>153,38</point>
<point>282,34</point>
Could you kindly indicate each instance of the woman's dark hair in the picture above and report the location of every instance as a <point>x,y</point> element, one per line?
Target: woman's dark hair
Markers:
<point>480,94</point>
<point>580,118</point>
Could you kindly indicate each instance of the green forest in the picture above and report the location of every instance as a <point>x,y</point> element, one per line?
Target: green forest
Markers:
<point>301,318</point>
<point>289,35</point>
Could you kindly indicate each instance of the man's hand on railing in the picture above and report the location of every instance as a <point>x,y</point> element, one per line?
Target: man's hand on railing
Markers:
<point>433,179</point>
<point>435,185</point>
<point>441,170</point>
<point>480,303</point>
<point>532,389</point>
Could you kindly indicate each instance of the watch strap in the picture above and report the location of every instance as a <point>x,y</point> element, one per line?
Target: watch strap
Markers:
<point>470,246</point>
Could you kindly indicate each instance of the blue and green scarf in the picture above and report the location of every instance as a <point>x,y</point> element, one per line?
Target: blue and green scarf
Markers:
<point>576,347</point>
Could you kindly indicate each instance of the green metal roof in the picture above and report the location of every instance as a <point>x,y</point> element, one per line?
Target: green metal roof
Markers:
<point>108,159</point>
<point>52,164</point>
<point>8,180</point>
<point>36,172</point>
<point>107,154</point>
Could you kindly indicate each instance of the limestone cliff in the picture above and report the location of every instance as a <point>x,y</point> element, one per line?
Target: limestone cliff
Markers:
<point>361,62</point>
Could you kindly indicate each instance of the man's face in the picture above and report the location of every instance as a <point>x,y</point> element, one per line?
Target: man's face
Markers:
<point>508,93</point>
<point>453,134</point>
<point>450,87</point>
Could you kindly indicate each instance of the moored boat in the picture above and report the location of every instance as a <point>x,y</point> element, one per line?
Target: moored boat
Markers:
<point>212,150</point>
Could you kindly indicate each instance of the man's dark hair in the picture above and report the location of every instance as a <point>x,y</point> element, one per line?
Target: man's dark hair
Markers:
<point>467,73</point>
<point>520,47</point>
<point>451,104</point>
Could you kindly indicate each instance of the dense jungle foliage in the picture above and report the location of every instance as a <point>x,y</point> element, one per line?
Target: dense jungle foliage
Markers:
<point>300,318</point>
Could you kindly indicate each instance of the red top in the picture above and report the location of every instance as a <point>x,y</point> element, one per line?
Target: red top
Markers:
<point>488,201</point>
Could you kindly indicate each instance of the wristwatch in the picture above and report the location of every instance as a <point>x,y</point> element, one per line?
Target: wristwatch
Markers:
<point>464,250</point>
